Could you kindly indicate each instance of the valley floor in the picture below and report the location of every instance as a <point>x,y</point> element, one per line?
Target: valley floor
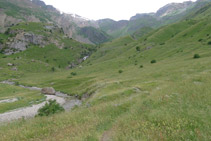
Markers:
<point>169,100</point>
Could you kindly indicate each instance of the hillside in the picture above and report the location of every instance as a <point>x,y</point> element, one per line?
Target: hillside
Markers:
<point>74,26</point>
<point>151,88</point>
<point>13,12</point>
<point>43,44</point>
<point>167,14</point>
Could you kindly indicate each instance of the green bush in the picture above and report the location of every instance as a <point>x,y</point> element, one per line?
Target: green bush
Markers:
<point>120,71</point>
<point>209,43</point>
<point>196,56</point>
<point>1,41</point>
<point>153,61</point>
<point>141,66</point>
<point>73,73</point>
<point>138,48</point>
<point>16,83</point>
<point>50,108</point>
<point>53,69</point>
<point>200,40</point>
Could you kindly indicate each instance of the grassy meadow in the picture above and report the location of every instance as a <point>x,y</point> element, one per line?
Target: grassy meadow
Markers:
<point>24,97</point>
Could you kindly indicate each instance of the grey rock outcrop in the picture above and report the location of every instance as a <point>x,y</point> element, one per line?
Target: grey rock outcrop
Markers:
<point>14,69</point>
<point>9,64</point>
<point>21,42</point>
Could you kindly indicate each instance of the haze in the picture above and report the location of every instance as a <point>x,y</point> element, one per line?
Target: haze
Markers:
<point>114,9</point>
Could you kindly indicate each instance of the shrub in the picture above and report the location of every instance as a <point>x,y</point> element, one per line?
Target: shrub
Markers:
<point>200,40</point>
<point>50,108</point>
<point>138,49</point>
<point>1,41</point>
<point>16,83</point>
<point>141,66</point>
<point>7,32</point>
<point>153,61</point>
<point>196,56</point>
<point>209,43</point>
<point>73,73</point>
<point>52,69</point>
<point>120,71</point>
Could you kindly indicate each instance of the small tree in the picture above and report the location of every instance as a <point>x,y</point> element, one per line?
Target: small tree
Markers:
<point>50,108</point>
<point>153,61</point>
<point>138,48</point>
<point>73,73</point>
<point>141,66</point>
<point>53,69</point>
<point>196,56</point>
<point>16,83</point>
<point>120,71</point>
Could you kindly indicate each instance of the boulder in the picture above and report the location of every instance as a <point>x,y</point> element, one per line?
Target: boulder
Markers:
<point>48,91</point>
<point>9,64</point>
<point>148,48</point>
<point>14,69</point>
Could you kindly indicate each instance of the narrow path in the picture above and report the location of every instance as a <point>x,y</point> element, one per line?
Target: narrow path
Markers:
<point>66,101</point>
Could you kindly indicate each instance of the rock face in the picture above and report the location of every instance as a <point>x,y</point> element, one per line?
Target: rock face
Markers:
<point>173,8</point>
<point>48,91</point>
<point>21,41</point>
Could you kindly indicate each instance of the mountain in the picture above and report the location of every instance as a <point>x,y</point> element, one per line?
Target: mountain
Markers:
<point>45,43</point>
<point>168,14</point>
<point>173,9</point>
<point>154,87</point>
<point>74,26</point>
<point>13,12</point>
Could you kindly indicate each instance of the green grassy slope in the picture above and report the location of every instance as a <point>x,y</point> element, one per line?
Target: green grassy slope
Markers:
<point>96,36</point>
<point>141,21</point>
<point>141,32</point>
<point>24,97</point>
<point>37,11</point>
<point>167,100</point>
<point>20,9</point>
<point>38,59</point>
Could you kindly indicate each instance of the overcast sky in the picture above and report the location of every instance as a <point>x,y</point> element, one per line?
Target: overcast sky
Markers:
<point>114,9</point>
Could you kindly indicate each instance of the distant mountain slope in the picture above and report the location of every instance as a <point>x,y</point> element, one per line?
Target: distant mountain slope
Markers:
<point>173,9</point>
<point>94,35</point>
<point>42,43</point>
<point>17,11</point>
<point>168,14</point>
